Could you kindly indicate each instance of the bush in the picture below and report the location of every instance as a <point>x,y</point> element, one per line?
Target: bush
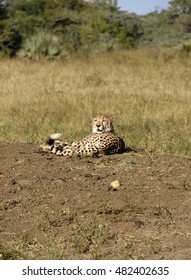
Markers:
<point>41,45</point>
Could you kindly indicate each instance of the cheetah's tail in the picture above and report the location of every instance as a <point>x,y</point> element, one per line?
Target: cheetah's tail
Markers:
<point>50,141</point>
<point>53,137</point>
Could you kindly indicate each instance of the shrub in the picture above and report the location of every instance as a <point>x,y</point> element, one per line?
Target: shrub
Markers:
<point>41,45</point>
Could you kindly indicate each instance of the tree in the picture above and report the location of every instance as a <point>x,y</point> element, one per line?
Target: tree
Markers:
<point>79,24</point>
<point>181,6</point>
<point>9,37</point>
<point>183,10</point>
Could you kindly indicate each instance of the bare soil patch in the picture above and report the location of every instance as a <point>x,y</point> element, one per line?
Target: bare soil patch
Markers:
<point>64,208</point>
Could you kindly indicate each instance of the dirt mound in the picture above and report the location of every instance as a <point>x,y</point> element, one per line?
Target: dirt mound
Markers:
<point>65,208</point>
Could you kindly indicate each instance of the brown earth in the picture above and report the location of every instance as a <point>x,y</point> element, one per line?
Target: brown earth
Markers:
<point>64,208</point>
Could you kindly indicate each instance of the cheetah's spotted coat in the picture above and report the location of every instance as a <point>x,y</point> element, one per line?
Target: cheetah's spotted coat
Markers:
<point>101,141</point>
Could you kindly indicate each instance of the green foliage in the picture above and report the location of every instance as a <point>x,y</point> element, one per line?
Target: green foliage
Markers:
<point>41,45</point>
<point>10,38</point>
<point>34,7</point>
<point>80,25</point>
<point>170,27</point>
<point>6,33</point>
<point>185,48</point>
<point>106,30</point>
<point>182,6</point>
<point>96,25</point>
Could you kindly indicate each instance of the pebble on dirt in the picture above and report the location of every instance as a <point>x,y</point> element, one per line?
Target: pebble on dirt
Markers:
<point>115,185</point>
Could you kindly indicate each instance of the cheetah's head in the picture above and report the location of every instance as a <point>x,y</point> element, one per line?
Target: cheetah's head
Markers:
<point>102,124</point>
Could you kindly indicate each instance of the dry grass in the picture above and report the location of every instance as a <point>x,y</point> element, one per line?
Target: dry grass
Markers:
<point>148,97</point>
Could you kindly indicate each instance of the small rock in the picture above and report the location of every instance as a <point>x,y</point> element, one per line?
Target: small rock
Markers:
<point>115,185</point>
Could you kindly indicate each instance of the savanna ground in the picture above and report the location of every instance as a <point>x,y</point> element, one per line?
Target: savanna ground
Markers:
<point>64,208</point>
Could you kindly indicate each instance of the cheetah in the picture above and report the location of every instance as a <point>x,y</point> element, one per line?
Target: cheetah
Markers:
<point>102,140</point>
